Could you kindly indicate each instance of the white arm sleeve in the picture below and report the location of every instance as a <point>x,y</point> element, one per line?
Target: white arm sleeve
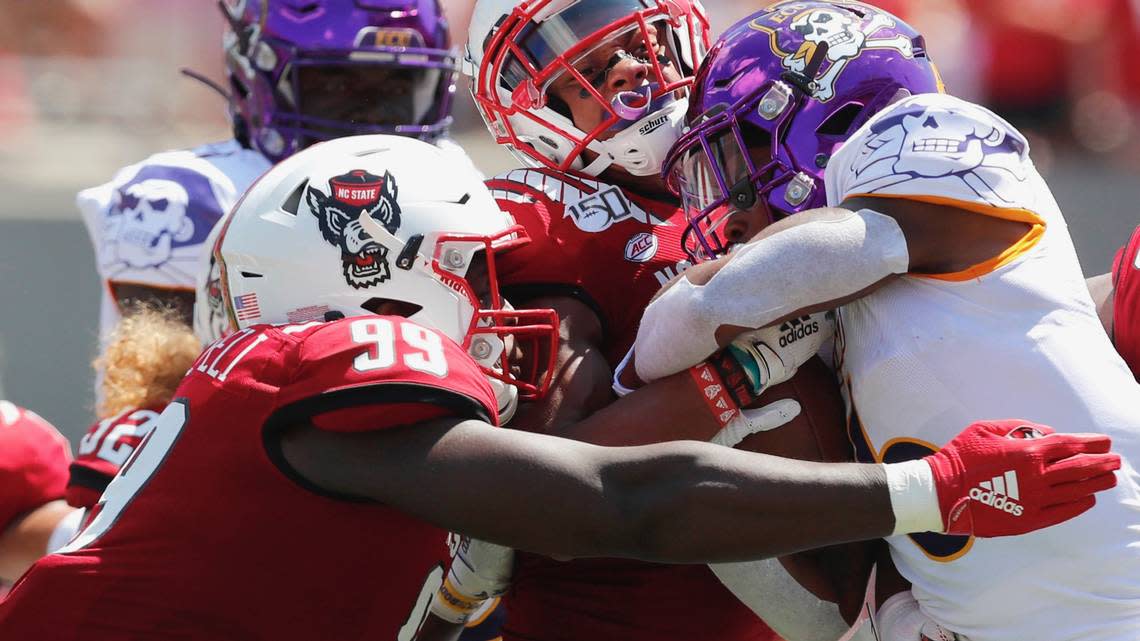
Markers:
<point>787,607</point>
<point>805,265</point>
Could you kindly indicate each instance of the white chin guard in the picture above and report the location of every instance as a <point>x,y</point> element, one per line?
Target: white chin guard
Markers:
<point>641,147</point>
<point>507,397</point>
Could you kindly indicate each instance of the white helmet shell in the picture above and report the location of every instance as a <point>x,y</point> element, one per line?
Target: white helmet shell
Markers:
<point>351,223</point>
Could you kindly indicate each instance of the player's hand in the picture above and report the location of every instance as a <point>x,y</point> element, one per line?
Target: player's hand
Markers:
<point>771,355</point>
<point>34,460</point>
<point>760,419</point>
<point>1000,478</point>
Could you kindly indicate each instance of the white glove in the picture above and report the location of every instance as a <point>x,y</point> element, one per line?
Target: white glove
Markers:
<point>760,419</point>
<point>900,619</point>
<point>771,355</point>
<point>479,571</point>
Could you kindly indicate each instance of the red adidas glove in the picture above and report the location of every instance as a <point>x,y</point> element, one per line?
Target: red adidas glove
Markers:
<point>1001,478</point>
<point>33,462</point>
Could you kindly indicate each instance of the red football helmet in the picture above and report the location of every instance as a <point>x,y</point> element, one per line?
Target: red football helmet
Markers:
<point>579,85</point>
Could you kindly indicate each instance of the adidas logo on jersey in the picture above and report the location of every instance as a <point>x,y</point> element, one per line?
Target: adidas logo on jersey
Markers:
<point>1000,493</point>
<point>796,329</point>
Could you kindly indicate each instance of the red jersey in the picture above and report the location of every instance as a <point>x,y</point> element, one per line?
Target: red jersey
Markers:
<point>33,462</point>
<point>207,532</point>
<point>103,450</point>
<point>1126,303</point>
<point>599,243</point>
<point>613,250</point>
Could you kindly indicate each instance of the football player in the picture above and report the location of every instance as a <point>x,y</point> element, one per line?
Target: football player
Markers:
<point>301,461</point>
<point>956,282</point>
<point>146,355</point>
<point>34,519</point>
<point>1121,285</point>
<point>590,96</point>
<point>298,73</point>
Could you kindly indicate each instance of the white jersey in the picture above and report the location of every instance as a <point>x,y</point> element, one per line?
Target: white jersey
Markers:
<point>1014,337</point>
<point>149,223</point>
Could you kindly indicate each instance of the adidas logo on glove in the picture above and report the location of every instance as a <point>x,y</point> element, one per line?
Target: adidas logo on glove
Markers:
<point>796,329</point>
<point>999,493</point>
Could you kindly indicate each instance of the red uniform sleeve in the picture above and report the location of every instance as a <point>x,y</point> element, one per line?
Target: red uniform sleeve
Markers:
<point>103,450</point>
<point>551,263</point>
<point>372,372</point>
<point>1126,303</point>
<point>33,462</point>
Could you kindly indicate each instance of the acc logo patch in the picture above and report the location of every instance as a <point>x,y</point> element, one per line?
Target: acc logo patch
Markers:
<point>365,261</point>
<point>641,248</point>
<point>797,29</point>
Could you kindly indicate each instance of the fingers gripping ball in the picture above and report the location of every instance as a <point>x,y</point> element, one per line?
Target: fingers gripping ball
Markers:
<point>1007,477</point>
<point>771,355</point>
<point>838,573</point>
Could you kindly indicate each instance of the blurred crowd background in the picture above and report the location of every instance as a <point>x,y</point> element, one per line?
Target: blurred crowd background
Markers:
<point>88,86</point>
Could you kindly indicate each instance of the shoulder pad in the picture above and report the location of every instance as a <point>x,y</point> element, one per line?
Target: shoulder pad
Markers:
<point>934,146</point>
<point>594,205</point>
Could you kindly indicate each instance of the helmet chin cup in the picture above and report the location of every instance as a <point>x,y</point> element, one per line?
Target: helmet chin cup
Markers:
<point>507,397</point>
<point>642,146</point>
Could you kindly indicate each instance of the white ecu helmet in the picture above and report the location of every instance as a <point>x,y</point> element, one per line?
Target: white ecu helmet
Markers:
<point>374,222</point>
<point>517,48</point>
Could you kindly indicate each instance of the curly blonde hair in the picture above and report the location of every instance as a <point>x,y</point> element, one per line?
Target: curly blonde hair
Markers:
<point>144,359</point>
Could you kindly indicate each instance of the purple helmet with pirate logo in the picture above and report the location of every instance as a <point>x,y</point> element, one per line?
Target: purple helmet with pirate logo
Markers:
<point>776,95</point>
<point>302,71</point>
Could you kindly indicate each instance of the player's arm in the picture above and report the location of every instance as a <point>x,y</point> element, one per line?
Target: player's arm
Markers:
<point>580,384</point>
<point>813,261</point>
<point>35,534</point>
<point>34,460</point>
<point>687,501</point>
<point>1102,291</point>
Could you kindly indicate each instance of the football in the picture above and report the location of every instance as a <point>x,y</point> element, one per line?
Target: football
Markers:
<point>819,433</point>
<point>838,573</point>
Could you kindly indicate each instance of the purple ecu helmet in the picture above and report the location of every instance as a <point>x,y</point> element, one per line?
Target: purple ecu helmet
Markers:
<point>302,71</point>
<point>776,95</point>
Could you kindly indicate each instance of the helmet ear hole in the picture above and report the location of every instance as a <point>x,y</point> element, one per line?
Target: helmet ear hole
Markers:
<point>839,123</point>
<point>293,203</point>
<point>390,307</point>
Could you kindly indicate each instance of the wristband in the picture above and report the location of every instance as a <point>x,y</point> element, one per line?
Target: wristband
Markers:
<point>914,499</point>
<point>720,404</point>
<point>736,379</point>
<point>451,605</point>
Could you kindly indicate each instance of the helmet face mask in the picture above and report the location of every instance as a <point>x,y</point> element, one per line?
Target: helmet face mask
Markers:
<point>333,69</point>
<point>585,85</point>
<point>361,225</point>
<point>772,102</point>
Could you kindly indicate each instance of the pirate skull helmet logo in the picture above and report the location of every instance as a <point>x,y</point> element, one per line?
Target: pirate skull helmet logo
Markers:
<point>151,218</point>
<point>845,34</point>
<point>365,261</point>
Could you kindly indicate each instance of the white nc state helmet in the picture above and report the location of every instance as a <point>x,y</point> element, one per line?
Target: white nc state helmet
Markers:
<point>210,319</point>
<point>352,224</point>
<point>517,49</point>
